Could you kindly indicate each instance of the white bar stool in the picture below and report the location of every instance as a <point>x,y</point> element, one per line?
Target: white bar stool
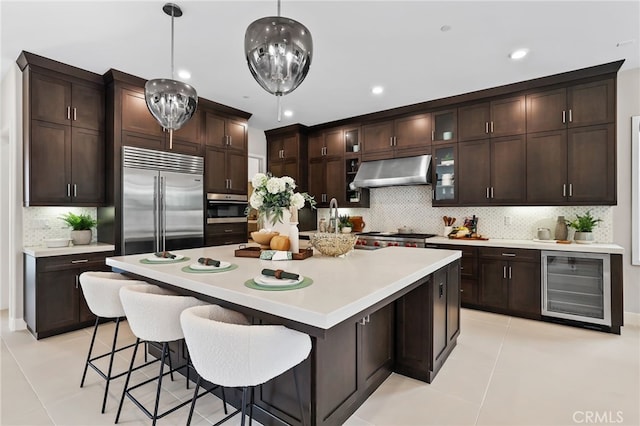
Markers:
<point>226,351</point>
<point>154,316</point>
<point>101,290</point>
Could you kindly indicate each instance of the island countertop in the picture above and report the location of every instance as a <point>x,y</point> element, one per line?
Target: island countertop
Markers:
<point>341,288</point>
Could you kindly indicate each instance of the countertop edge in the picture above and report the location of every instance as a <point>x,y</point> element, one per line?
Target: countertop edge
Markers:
<point>40,251</point>
<point>530,244</point>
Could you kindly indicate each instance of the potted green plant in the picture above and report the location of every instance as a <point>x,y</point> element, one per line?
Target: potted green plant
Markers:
<point>81,225</point>
<point>344,223</point>
<point>584,227</point>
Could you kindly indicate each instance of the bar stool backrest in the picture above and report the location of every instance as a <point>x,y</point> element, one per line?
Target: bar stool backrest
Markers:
<point>101,290</point>
<point>225,350</point>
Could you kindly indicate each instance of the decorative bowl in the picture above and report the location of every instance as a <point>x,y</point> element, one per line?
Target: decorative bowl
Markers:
<point>57,242</point>
<point>331,244</point>
<point>263,238</point>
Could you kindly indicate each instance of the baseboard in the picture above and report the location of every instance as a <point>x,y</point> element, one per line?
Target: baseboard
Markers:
<point>16,324</point>
<point>631,318</point>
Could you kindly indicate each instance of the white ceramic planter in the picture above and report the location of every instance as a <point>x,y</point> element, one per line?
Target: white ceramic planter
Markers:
<point>583,237</point>
<point>80,238</point>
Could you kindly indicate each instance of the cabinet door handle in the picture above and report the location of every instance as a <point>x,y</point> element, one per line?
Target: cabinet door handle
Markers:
<point>509,272</point>
<point>441,290</point>
<point>492,127</point>
<point>75,190</point>
<point>77,280</point>
<point>492,192</point>
<point>228,230</point>
<point>486,127</point>
<point>570,116</point>
<point>564,189</point>
<point>230,140</point>
<point>487,192</point>
<point>68,190</point>
<point>80,261</point>
<point>564,117</point>
<point>390,140</point>
<point>68,113</point>
<point>75,115</point>
<point>509,254</point>
<point>504,272</point>
<point>433,135</point>
<point>570,190</point>
<point>431,246</point>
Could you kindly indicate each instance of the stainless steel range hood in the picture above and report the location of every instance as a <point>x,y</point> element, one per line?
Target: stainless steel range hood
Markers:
<point>394,172</point>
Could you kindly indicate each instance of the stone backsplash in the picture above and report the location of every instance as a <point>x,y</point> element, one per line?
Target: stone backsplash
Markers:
<point>40,223</point>
<point>410,206</point>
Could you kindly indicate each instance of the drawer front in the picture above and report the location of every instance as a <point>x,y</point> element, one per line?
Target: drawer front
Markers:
<point>84,261</point>
<point>469,262</point>
<point>219,229</point>
<point>225,239</point>
<point>509,254</point>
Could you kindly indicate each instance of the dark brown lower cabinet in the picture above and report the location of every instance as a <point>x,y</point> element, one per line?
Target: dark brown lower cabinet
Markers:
<point>510,281</point>
<point>220,234</point>
<point>53,300</point>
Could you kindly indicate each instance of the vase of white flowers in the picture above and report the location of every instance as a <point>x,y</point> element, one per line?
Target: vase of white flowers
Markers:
<point>274,197</point>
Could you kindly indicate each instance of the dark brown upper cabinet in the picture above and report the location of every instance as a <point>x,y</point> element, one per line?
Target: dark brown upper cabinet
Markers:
<point>496,118</point>
<point>444,126</point>
<point>326,178</point>
<point>330,143</point>
<point>226,154</point>
<point>402,137</point>
<point>287,153</point>
<point>575,106</point>
<point>64,139</point>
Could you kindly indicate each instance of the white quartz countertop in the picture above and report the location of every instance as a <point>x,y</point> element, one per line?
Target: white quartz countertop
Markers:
<point>531,244</point>
<point>342,287</point>
<point>42,251</point>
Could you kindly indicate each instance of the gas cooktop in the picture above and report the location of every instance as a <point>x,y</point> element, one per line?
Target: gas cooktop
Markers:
<point>384,239</point>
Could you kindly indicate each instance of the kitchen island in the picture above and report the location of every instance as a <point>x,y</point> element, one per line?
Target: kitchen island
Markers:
<point>369,314</point>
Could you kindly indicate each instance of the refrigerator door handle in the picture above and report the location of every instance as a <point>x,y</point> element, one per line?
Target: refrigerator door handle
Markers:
<point>163,211</point>
<point>155,213</point>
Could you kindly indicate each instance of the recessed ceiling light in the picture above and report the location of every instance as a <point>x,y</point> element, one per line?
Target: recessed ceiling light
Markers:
<point>625,42</point>
<point>184,74</point>
<point>519,54</point>
<point>445,28</point>
<point>376,90</point>
<point>288,113</point>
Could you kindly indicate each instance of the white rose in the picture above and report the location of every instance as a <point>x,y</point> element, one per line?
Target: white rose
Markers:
<point>297,200</point>
<point>289,181</point>
<point>256,200</point>
<point>258,180</point>
<point>275,185</point>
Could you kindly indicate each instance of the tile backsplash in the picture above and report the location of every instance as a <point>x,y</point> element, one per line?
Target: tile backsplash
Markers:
<point>40,223</point>
<point>410,206</point>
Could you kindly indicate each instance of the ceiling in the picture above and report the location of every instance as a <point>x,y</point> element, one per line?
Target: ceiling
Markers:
<point>357,44</point>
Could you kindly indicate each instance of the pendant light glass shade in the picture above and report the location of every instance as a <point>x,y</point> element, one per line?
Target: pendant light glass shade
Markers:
<point>172,103</point>
<point>278,52</point>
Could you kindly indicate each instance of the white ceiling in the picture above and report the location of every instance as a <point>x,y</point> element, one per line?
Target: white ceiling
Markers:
<point>357,44</point>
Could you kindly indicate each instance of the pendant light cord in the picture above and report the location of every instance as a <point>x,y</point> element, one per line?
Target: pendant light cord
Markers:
<point>278,8</point>
<point>173,77</point>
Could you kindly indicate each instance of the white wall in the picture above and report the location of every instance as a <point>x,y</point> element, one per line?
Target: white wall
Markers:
<point>11,277</point>
<point>628,106</point>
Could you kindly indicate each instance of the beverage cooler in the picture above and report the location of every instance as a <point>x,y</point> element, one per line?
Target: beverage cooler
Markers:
<point>576,286</point>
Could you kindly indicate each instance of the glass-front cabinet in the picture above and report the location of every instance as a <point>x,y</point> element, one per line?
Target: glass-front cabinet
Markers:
<point>444,175</point>
<point>444,125</point>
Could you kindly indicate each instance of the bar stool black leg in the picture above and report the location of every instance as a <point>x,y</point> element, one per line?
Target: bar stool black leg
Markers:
<point>193,402</point>
<point>113,349</point>
<point>244,405</point>
<point>165,350</point>
<point>251,406</point>
<point>86,364</point>
<point>126,382</point>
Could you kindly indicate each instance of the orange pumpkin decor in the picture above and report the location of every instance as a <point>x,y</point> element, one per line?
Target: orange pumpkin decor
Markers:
<point>280,242</point>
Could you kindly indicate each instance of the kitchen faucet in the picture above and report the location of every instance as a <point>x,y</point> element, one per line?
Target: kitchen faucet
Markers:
<point>333,204</point>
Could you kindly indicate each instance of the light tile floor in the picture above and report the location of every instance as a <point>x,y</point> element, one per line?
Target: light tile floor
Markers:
<point>504,371</point>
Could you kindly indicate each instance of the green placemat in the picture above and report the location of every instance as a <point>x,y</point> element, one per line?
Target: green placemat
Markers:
<point>306,282</point>
<point>208,271</point>
<point>164,262</point>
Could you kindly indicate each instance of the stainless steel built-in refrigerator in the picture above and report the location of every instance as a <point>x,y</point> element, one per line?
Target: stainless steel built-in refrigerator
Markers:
<point>162,201</point>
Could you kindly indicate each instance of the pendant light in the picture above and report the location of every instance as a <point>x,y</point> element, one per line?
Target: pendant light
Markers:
<point>171,102</point>
<point>278,52</point>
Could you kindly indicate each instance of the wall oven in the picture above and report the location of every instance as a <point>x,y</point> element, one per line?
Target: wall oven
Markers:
<point>226,208</point>
<point>577,286</point>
